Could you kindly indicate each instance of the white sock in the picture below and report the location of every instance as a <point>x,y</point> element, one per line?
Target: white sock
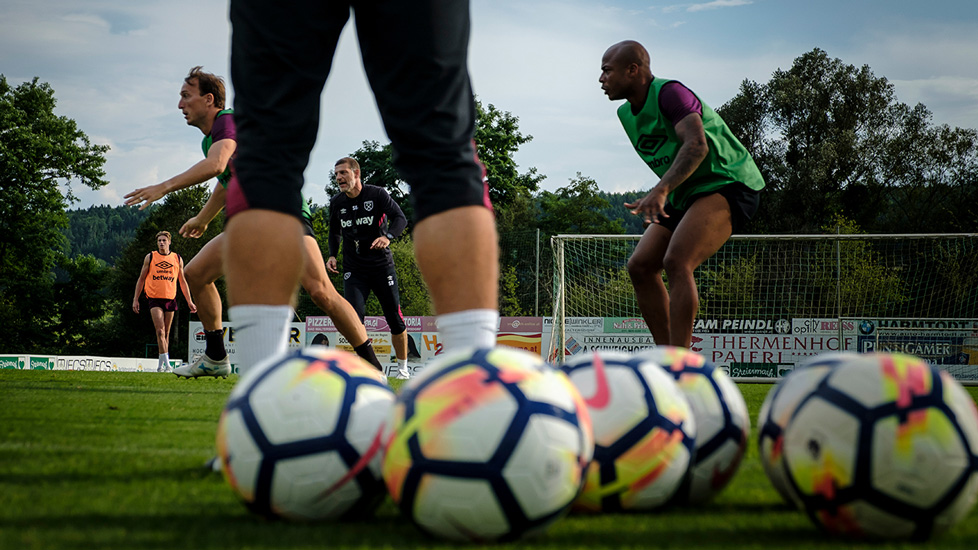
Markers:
<point>402,364</point>
<point>470,328</point>
<point>260,332</point>
<point>164,359</point>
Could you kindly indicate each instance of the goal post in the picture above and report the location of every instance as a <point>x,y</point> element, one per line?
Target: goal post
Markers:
<point>793,286</point>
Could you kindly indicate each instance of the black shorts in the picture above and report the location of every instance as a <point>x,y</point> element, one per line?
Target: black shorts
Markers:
<point>162,303</point>
<point>743,203</point>
<point>415,55</point>
<point>383,283</point>
<point>307,226</point>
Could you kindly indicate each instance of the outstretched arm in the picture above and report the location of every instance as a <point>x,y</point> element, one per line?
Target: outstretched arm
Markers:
<point>216,162</point>
<point>196,226</point>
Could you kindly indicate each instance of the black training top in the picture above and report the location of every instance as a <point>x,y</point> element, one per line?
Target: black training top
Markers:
<point>359,222</point>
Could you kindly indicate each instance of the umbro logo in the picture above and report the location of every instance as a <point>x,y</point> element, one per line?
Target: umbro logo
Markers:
<point>650,144</point>
<point>165,265</point>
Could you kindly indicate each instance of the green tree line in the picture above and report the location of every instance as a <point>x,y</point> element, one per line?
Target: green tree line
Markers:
<point>834,144</point>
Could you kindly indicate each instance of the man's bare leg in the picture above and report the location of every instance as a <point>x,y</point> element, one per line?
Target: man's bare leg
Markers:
<point>207,267</point>
<point>159,326</point>
<point>703,230</point>
<point>458,254</point>
<point>645,271</point>
<point>261,291</point>
<point>324,295</point>
<point>400,346</point>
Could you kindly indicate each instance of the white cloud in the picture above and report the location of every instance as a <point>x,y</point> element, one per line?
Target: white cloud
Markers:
<point>717,4</point>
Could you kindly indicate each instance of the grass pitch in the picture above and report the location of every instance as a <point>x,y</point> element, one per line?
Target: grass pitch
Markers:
<point>114,461</point>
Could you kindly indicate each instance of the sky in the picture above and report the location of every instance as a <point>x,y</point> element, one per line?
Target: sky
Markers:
<point>116,67</point>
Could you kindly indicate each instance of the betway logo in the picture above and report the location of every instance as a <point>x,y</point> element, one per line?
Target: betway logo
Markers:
<point>366,220</point>
<point>163,278</point>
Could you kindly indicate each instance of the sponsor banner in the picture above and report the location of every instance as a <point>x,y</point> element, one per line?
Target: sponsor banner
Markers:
<point>573,326</point>
<point>12,362</point>
<point>817,325</point>
<point>769,349</point>
<point>521,324</point>
<point>40,362</point>
<point>757,370</point>
<point>944,327</point>
<point>522,333</point>
<point>935,349</point>
<point>578,325</point>
<point>742,326</point>
<point>81,362</point>
<point>961,372</point>
<point>320,324</point>
<point>624,324</point>
<point>626,342</point>
<point>117,364</point>
<point>297,340</point>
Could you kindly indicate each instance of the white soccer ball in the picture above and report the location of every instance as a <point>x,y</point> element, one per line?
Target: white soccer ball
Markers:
<point>884,446</point>
<point>486,445</point>
<point>644,432</point>
<point>779,404</point>
<point>299,437</point>
<point>722,420</point>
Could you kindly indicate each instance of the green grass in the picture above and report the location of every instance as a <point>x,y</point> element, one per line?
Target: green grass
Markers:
<point>114,461</point>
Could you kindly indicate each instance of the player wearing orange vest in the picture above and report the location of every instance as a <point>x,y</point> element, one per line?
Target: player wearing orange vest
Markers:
<point>162,270</point>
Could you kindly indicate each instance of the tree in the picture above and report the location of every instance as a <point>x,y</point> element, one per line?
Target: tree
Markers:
<point>38,151</point>
<point>576,208</point>
<point>498,138</point>
<point>831,139</point>
<point>103,231</point>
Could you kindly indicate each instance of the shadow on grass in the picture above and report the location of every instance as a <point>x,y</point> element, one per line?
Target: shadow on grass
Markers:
<point>127,390</point>
<point>166,475</point>
<point>203,529</point>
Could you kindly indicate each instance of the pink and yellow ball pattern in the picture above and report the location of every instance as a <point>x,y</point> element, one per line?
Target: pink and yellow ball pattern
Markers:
<point>883,446</point>
<point>486,445</point>
<point>644,432</point>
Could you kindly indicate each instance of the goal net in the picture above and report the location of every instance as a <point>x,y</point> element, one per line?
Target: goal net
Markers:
<point>798,285</point>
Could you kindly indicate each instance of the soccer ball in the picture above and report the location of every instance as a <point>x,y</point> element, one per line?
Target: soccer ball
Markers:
<point>779,404</point>
<point>486,444</point>
<point>644,432</point>
<point>884,446</point>
<point>722,421</point>
<point>299,437</point>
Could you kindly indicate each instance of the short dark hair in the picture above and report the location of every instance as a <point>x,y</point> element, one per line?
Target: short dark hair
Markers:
<point>207,83</point>
<point>349,161</point>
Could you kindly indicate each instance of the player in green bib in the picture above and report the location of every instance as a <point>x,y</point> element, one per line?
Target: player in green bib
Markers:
<point>709,187</point>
